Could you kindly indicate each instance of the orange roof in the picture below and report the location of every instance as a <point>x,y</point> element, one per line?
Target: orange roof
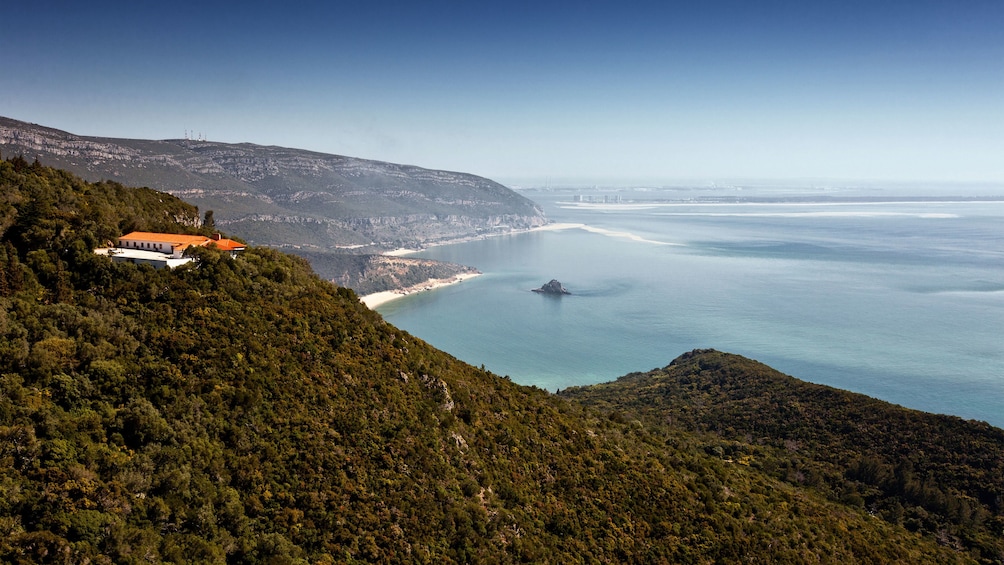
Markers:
<point>179,240</point>
<point>227,244</point>
<point>169,238</point>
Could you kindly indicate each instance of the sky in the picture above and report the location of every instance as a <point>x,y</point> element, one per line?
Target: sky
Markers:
<point>536,92</point>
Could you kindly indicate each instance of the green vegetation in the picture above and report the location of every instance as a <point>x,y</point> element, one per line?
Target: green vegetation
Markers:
<point>242,410</point>
<point>938,475</point>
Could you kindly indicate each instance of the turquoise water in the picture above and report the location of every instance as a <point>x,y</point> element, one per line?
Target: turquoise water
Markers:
<point>900,300</point>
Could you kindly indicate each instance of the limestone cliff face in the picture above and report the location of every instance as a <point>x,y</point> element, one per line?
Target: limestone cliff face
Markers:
<point>367,274</point>
<point>290,197</point>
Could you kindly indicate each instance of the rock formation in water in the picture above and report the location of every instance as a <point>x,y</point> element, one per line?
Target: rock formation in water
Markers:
<point>553,287</point>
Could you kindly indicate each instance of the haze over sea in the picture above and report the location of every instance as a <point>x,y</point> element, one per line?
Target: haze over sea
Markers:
<point>897,293</point>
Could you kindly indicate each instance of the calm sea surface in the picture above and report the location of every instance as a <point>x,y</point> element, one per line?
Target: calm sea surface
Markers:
<point>902,300</point>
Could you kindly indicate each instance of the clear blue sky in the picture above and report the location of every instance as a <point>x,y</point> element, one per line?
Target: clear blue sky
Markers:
<point>517,91</point>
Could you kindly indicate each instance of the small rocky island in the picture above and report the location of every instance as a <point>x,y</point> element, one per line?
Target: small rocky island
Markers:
<point>554,287</point>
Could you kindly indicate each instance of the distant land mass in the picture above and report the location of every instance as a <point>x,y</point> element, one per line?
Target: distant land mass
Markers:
<point>291,198</point>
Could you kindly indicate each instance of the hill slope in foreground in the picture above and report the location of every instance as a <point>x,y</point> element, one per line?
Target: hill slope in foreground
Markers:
<point>243,410</point>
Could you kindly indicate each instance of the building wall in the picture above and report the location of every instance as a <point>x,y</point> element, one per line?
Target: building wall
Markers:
<point>158,246</point>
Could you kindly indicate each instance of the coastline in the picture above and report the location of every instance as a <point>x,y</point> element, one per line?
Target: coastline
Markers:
<point>558,226</point>
<point>405,251</point>
<point>379,298</point>
<point>400,252</point>
<point>383,297</point>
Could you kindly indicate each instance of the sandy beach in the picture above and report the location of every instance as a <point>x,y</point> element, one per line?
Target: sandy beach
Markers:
<point>558,226</point>
<point>378,298</point>
<point>404,251</point>
<point>400,252</point>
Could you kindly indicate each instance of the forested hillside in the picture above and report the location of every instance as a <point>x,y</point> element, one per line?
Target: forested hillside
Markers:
<point>938,475</point>
<point>241,410</point>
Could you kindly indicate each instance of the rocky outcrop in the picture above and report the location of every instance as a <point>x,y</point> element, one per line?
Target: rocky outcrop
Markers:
<point>367,274</point>
<point>553,287</point>
<point>290,197</point>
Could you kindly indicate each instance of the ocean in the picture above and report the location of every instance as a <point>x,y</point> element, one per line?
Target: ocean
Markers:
<point>895,294</point>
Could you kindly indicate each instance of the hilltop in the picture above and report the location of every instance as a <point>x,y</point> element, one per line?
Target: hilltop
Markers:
<point>242,410</point>
<point>935,474</point>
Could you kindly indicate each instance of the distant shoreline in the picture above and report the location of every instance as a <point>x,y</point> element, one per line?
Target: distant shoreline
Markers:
<point>383,297</point>
<point>404,251</point>
<point>379,298</point>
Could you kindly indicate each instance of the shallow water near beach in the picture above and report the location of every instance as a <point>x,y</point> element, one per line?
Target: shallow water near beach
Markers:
<point>902,300</point>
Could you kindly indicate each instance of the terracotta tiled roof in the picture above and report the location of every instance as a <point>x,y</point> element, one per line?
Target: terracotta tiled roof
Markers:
<point>169,238</point>
<point>179,240</point>
<point>228,244</point>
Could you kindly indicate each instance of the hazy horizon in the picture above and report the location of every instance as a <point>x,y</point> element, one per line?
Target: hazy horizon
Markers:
<point>899,186</point>
<point>893,91</point>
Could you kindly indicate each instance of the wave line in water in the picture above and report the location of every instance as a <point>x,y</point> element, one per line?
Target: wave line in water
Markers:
<point>642,206</point>
<point>625,235</point>
<point>929,215</point>
<point>606,232</point>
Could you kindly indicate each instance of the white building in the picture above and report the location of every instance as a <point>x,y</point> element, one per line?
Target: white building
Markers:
<point>164,250</point>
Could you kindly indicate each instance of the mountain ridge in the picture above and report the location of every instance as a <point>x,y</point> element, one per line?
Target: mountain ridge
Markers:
<point>294,198</point>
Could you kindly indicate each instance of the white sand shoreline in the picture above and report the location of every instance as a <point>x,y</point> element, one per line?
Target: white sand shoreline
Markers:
<point>558,227</point>
<point>400,252</point>
<point>404,251</point>
<point>379,298</point>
